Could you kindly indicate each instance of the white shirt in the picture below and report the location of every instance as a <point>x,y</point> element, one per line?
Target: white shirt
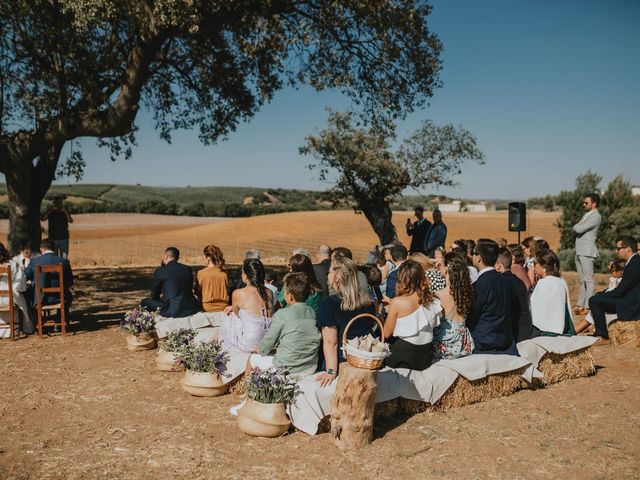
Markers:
<point>417,327</point>
<point>473,273</point>
<point>549,302</point>
<point>484,270</point>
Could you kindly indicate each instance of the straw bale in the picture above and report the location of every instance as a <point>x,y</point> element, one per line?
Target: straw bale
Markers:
<point>557,368</point>
<point>621,332</point>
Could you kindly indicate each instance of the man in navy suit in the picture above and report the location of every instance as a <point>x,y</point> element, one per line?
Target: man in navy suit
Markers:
<point>172,288</point>
<point>623,300</point>
<point>50,280</point>
<point>490,318</point>
<point>399,256</point>
<point>418,231</point>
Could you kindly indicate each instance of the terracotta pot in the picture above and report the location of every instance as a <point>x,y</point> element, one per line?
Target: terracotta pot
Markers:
<point>263,419</point>
<point>203,384</point>
<point>166,362</point>
<point>142,341</point>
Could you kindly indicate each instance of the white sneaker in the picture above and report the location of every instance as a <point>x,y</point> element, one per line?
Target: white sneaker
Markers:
<point>234,410</point>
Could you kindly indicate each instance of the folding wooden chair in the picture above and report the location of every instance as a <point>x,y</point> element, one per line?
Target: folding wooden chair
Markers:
<point>6,270</point>
<point>48,309</point>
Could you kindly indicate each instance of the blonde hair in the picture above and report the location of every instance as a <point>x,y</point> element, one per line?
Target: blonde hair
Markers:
<point>346,284</point>
<point>425,262</point>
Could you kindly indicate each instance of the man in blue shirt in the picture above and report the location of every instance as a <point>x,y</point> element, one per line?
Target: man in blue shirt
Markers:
<point>436,235</point>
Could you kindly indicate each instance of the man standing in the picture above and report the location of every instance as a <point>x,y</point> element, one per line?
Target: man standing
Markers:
<point>624,300</point>
<point>586,252</point>
<point>172,288</point>
<point>59,219</point>
<point>321,269</point>
<point>417,231</point>
<point>436,235</point>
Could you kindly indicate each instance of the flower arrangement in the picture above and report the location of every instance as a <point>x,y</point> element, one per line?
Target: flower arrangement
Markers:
<point>273,385</point>
<point>178,340</point>
<point>206,357</point>
<point>138,321</point>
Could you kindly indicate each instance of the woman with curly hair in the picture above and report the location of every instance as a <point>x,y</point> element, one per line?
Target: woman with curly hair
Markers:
<point>452,338</point>
<point>413,314</point>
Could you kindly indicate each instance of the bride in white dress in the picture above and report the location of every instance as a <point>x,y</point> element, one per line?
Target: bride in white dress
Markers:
<point>19,285</point>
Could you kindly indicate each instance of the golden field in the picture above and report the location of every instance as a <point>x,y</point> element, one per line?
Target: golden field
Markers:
<point>138,239</point>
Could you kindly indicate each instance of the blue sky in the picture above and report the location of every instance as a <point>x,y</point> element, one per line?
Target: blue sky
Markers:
<point>549,88</point>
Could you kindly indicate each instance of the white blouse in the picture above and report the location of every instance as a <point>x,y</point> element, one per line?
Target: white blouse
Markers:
<point>549,301</point>
<point>417,327</point>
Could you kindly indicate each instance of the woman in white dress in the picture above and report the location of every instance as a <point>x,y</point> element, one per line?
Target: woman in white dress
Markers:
<point>550,304</point>
<point>413,314</point>
<point>249,315</point>
<point>19,285</point>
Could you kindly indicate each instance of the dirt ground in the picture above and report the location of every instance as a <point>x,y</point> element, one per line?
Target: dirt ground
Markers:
<point>85,407</point>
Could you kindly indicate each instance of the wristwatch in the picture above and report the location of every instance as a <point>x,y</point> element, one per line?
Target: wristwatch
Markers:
<point>331,371</point>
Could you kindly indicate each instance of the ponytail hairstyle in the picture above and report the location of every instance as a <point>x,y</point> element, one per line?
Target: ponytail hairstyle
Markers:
<point>412,279</point>
<point>301,263</point>
<point>254,270</point>
<point>550,262</point>
<point>459,283</point>
<point>215,254</point>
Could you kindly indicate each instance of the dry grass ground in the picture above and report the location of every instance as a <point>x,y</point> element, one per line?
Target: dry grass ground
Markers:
<point>137,239</point>
<point>85,407</point>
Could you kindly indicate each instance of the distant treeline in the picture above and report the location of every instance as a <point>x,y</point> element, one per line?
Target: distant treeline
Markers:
<point>212,201</point>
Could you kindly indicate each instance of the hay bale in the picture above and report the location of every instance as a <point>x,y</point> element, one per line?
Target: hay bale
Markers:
<point>461,393</point>
<point>624,331</point>
<point>557,368</point>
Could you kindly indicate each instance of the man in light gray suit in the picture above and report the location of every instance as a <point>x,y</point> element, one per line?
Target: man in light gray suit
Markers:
<point>586,252</point>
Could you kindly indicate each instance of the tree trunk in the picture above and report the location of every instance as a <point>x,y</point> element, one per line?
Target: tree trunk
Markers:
<point>352,407</point>
<point>379,216</point>
<point>27,184</point>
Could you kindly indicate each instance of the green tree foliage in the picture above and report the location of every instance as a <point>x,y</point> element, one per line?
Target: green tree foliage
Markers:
<point>83,68</point>
<point>366,173</point>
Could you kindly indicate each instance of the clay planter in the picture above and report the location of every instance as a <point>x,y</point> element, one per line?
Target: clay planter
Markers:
<point>203,384</point>
<point>142,341</point>
<point>263,419</point>
<point>166,362</point>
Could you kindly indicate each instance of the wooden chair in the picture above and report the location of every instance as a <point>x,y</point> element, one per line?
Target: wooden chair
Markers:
<point>48,309</point>
<point>6,270</point>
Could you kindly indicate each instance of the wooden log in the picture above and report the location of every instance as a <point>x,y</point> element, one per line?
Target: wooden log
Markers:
<point>352,407</point>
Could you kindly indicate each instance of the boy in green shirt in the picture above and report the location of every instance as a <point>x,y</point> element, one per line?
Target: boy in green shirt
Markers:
<point>293,332</point>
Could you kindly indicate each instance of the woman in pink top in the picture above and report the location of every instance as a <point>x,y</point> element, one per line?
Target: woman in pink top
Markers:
<point>517,267</point>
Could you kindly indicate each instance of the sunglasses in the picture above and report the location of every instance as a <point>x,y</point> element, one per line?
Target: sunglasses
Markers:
<point>585,203</point>
<point>621,248</point>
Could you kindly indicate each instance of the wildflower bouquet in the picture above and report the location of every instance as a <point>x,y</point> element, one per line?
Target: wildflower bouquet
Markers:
<point>138,321</point>
<point>206,357</point>
<point>273,385</point>
<point>178,340</point>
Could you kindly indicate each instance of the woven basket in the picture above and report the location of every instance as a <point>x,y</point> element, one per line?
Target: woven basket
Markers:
<point>364,363</point>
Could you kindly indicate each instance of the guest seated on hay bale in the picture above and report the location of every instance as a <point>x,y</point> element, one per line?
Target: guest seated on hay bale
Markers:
<point>249,315</point>
<point>172,288</point>
<point>344,252</point>
<point>212,283</point>
<point>385,265</point>
<point>398,256</point>
<point>522,325</point>
<point>269,282</point>
<point>550,302</point>
<point>435,279</point>
<point>321,269</point>
<point>517,265</point>
<point>337,310</point>
<point>617,269</point>
<point>302,263</point>
<point>413,314</point>
<point>460,246</point>
<point>490,318</point>
<point>452,339</point>
<point>374,278</point>
<point>293,332</point>
<point>624,300</point>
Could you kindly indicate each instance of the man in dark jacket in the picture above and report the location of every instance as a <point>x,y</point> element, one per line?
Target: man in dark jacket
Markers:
<point>436,235</point>
<point>490,319</point>
<point>522,327</point>
<point>418,231</point>
<point>172,288</point>
<point>624,300</point>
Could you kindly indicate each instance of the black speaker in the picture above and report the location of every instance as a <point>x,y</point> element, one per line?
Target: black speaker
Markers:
<point>517,217</point>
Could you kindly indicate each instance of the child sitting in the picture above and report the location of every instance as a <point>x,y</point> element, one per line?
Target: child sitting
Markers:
<point>293,330</point>
<point>616,268</point>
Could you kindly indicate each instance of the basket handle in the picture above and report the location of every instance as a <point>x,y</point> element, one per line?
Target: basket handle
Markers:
<point>362,315</point>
